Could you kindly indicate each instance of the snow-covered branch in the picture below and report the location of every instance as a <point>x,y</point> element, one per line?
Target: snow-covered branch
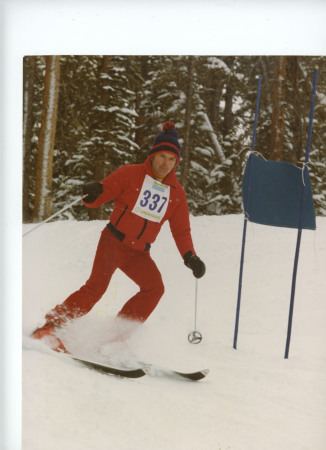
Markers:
<point>207,126</point>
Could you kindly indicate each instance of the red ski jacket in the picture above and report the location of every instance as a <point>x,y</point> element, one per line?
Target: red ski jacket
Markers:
<point>137,204</point>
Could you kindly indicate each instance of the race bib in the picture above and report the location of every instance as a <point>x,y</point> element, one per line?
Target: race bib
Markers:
<point>153,200</point>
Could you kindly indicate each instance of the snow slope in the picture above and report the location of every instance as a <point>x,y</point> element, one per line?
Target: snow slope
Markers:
<point>252,398</point>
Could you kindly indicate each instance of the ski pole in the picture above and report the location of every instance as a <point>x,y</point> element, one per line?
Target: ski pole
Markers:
<point>54,215</point>
<point>195,336</point>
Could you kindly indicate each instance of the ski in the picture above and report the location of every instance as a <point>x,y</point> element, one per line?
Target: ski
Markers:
<point>155,371</point>
<point>140,370</point>
<point>144,369</point>
<point>193,376</point>
<point>126,373</point>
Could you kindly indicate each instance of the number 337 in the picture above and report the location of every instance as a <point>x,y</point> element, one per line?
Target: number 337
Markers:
<point>153,201</point>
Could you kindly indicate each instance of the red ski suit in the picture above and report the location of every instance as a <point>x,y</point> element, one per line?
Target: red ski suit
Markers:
<point>125,244</point>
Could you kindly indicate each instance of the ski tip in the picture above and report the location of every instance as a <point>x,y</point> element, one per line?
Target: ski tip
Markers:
<point>202,374</point>
<point>194,376</point>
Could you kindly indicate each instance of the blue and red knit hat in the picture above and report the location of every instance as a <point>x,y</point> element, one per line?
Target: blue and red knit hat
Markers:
<point>167,141</point>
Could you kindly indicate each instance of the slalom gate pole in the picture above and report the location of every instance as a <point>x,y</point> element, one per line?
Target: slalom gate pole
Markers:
<point>235,339</point>
<point>297,250</point>
<point>54,215</point>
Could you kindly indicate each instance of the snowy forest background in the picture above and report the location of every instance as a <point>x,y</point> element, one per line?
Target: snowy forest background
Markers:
<point>85,116</point>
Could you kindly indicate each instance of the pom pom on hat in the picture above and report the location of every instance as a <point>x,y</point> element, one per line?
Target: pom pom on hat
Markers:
<point>168,126</point>
<point>166,141</point>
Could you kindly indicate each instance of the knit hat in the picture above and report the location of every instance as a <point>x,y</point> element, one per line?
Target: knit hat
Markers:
<point>166,141</point>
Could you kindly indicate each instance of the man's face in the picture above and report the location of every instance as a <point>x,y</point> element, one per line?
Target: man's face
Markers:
<point>163,163</point>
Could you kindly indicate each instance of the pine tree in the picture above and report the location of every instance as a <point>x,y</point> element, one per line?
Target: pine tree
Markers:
<point>278,107</point>
<point>28,86</point>
<point>111,107</point>
<point>317,166</point>
<point>43,191</point>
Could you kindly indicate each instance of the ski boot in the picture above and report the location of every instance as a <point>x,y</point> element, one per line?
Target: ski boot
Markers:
<point>47,333</point>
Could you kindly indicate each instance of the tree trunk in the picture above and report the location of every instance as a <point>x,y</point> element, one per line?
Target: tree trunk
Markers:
<point>28,96</point>
<point>278,104</point>
<point>297,129</point>
<point>186,146</point>
<point>100,168</point>
<point>44,171</point>
<point>228,107</point>
<point>214,110</point>
<point>140,119</point>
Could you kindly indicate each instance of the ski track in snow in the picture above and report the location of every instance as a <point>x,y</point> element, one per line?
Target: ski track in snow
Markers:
<point>252,399</point>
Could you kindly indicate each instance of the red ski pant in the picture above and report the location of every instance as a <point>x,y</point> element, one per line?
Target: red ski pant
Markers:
<point>110,255</point>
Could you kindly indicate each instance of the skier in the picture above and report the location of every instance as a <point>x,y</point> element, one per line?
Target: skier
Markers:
<point>145,196</point>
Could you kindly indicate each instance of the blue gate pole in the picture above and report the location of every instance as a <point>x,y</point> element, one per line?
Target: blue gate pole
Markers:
<point>235,339</point>
<point>297,250</point>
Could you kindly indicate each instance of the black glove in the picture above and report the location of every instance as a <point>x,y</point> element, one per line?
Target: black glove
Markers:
<point>93,190</point>
<point>195,264</point>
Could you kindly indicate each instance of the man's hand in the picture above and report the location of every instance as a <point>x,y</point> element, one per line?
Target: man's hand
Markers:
<point>195,264</point>
<point>93,190</point>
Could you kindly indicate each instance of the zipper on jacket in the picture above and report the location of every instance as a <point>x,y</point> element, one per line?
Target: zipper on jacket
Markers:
<point>121,215</point>
<point>143,229</point>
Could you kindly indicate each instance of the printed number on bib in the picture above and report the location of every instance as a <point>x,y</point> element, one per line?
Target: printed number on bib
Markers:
<point>153,200</point>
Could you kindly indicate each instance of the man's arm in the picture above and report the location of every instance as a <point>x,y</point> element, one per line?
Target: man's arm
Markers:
<point>106,190</point>
<point>180,227</point>
<point>181,231</point>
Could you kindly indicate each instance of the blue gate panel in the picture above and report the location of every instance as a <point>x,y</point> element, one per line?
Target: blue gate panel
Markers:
<point>275,194</point>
